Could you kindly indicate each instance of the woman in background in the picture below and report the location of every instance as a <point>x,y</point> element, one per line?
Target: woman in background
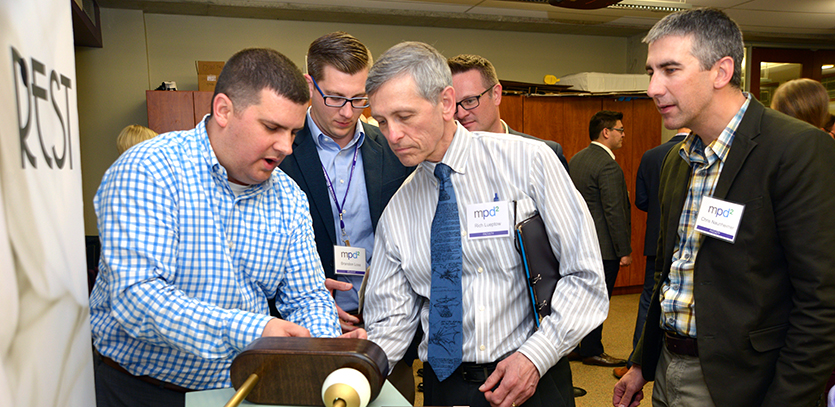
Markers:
<point>804,99</point>
<point>132,135</point>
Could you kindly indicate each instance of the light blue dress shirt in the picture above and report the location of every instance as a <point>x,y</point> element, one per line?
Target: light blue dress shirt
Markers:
<point>357,217</point>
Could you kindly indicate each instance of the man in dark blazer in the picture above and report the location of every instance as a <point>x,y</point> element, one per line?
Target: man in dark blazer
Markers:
<point>743,312</point>
<point>474,78</point>
<point>600,180</point>
<point>646,199</point>
<point>326,152</point>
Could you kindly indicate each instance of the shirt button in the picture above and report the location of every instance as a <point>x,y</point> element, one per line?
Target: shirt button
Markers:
<point>342,181</point>
<point>463,233</point>
<point>481,308</point>
<point>482,347</point>
<point>230,245</point>
<point>480,270</point>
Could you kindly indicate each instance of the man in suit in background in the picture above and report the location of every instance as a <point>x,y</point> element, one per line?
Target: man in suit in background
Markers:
<point>646,199</point>
<point>346,168</point>
<point>600,180</point>
<point>743,310</point>
<point>474,77</point>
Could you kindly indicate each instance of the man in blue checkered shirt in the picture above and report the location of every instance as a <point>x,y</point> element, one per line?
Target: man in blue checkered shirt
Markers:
<point>198,229</point>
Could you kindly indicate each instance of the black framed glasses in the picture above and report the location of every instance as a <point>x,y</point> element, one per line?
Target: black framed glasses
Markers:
<point>339,101</point>
<point>617,129</point>
<point>472,102</point>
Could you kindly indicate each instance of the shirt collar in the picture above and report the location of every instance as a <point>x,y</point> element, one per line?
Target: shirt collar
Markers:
<point>456,154</point>
<point>693,149</point>
<point>608,150</point>
<point>324,141</point>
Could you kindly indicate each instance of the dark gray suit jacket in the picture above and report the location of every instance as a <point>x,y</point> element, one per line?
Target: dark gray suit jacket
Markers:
<point>553,144</point>
<point>765,304</point>
<point>600,180</point>
<point>383,175</point>
<point>646,191</point>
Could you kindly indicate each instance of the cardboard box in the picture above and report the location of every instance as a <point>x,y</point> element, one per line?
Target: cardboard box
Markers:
<point>207,73</point>
<point>606,82</point>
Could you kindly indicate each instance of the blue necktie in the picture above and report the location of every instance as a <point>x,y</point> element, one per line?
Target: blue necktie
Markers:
<point>445,336</point>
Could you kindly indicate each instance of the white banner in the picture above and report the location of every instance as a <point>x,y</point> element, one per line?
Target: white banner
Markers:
<point>45,348</point>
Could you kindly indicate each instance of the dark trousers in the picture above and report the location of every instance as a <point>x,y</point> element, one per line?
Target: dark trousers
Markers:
<point>643,305</point>
<point>555,388</point>
<point>592,344</point>
<point>117,389</point>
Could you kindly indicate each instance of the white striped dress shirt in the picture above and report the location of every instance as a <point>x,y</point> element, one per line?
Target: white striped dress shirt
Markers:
<point>497,311</point>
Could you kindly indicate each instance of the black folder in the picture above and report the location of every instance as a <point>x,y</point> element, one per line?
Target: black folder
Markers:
<point>541,267</point>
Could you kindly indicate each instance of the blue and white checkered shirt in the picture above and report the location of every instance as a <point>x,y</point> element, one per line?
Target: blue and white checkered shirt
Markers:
<point>187,266</point>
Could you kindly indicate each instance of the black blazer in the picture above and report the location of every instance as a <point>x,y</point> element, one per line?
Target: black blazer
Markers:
<point>553,144</point>
<point>646,191</point>
<point>383,175</point>
<point>765,305</point>
<point>600,180</point>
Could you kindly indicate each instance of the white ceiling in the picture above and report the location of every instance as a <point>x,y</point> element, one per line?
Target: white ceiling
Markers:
<point>798,22</point>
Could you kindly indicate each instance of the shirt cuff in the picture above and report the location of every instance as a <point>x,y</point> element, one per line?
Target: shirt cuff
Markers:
<point>245,328</point>
<point>539,350</point>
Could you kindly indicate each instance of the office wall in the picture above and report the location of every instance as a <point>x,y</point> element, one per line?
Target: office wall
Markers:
<point>142,50</point>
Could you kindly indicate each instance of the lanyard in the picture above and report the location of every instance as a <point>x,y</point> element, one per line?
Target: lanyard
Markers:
<point>340,208</point>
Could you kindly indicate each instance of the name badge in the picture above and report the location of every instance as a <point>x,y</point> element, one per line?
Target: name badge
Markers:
<point>349,260</point>
<point>719,219</point>
<point>488,220</point>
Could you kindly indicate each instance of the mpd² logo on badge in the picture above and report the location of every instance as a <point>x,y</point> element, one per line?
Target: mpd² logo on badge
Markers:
<point>350,255</point>
<point>486,213</point>
<point>717,211</point>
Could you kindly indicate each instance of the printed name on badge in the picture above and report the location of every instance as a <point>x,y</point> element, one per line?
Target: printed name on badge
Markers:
<point>349,260</point>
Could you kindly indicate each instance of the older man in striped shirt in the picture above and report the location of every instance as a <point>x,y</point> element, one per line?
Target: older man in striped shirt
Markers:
<point>503,359</point>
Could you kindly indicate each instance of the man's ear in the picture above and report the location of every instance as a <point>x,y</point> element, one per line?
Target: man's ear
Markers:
<point>497,94</point>
<point>448,103</point>
<point>221,109</point>
<point>310,86</point>
<point>724,72</point>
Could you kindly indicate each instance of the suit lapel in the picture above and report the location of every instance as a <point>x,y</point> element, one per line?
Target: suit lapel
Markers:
<point>741,147</point>
<point>371,157</point>
<point>310,169</point>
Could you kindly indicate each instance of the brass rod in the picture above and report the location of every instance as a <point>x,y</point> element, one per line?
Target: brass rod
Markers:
<point>242,392</point>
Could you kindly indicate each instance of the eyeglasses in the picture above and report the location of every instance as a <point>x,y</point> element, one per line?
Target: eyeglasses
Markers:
<point>339,101</point>
<point>472,102</point>
<point>617,129</point>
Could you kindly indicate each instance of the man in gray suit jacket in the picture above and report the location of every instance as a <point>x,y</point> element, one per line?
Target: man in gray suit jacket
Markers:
<point>743,309</point>
<point>474,78</point>
<point>346,169</point>
<point>600,180</point>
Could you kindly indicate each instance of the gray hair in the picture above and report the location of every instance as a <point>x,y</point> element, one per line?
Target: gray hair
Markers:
<point>714,34</point>
<point>425,64</point>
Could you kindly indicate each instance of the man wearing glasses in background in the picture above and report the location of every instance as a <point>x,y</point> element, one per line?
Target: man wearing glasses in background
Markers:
<point>348,172</point>
<point>600,180</point>
<point>479,95</point>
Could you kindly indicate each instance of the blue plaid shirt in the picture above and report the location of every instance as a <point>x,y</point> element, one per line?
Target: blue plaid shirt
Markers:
<point>187,266</point>
<point>678,305</point>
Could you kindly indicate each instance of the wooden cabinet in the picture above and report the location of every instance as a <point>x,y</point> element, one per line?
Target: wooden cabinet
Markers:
<point>565,119</point>
<point>176,110</point>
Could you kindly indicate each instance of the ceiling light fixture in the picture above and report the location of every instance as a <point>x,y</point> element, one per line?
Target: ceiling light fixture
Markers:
<point>649,5</point>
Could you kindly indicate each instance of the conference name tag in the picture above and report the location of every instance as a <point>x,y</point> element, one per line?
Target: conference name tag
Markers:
<point>719,219</point>
<point>488,220</point>
<point>349,261</point>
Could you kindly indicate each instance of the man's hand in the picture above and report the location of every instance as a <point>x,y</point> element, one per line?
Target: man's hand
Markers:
<point>629,390</point>
<point>357,333</point>
<point>346,321</point>
<point>280,327</point>
<point>626,260</point>
<point>518,377</point>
